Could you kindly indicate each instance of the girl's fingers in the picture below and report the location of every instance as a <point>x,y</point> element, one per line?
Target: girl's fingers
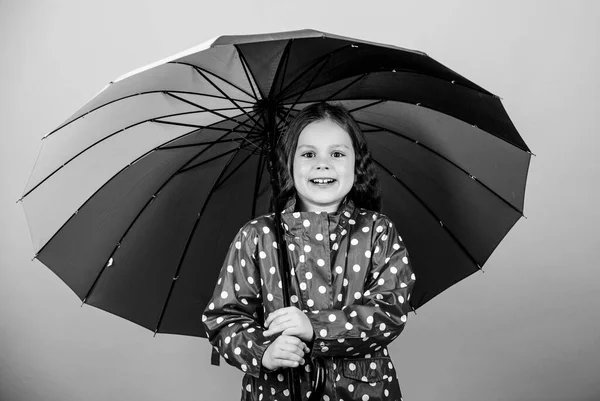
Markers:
<point>288,356</point>
<point>283,363</point>
<point>293,349</point>
<point>273,315</point>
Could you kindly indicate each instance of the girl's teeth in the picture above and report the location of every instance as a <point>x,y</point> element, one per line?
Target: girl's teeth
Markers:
<point>322,181</point>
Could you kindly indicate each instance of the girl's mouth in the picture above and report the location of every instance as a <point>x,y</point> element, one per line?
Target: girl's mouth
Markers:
<point>322,181</point>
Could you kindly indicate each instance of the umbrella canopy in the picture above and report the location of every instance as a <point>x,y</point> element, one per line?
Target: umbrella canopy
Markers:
<point>135,198</point>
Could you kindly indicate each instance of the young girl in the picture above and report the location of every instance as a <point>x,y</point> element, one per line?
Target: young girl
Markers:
<point>350,274</point>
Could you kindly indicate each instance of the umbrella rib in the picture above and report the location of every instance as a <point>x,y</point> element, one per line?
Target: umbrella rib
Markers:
<point>153,119</point>
<point>192,145</point>
<point>456,240</point>
<point>201,72</point>
<point>246,72</point>
<point>317,61</point>
<point>197,68</point>
<point>259,173</point>
<point>203,108</point>
<point>193,166</point>
<point>148,202</point>
<point>309,84</point>
<point>282,64</point>
<point>136,94</point>
<point>247,68</point>
<point>189,239</point>
<point>220,183</point>
<point>405,137</point>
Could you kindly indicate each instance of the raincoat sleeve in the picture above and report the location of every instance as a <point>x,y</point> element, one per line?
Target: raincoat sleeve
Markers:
<point>380,312</point>
<point>231,318</point>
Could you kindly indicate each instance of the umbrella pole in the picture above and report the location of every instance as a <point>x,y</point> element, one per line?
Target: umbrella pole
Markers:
<point>271,126</point>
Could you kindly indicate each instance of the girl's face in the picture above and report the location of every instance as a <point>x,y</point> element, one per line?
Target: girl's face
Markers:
<point>323,166</point>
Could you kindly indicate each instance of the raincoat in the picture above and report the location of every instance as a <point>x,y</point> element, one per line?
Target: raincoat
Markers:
<point>350,274</point>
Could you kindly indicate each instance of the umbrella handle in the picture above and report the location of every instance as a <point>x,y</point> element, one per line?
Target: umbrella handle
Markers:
<point>319,379</point>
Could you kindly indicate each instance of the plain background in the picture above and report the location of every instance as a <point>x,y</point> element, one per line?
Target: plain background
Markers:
<point>526,329</point>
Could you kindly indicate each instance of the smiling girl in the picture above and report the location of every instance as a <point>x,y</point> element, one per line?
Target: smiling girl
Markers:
<point>350,274</point>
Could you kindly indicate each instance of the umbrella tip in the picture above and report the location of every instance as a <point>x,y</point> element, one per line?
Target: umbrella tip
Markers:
<point>34,257</point>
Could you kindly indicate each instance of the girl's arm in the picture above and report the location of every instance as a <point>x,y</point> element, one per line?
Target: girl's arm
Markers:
<point>231,318</point>
<point>360,329</point>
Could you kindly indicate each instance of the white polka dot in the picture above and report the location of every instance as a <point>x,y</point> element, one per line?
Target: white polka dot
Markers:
<point>384,237</point>
<point>262,255</point>
<point>310,303</point>
<point>319,237</point>
<point>308,275</point>
<point>322,289</point>
<point>255,240</point>
<point>390,365</point>
<point>254,222</point>
<point>306,223</point>
<point>365,398</point>
<point>376,249</point>
<point>412,277</point>
<point>244,301</point>
<point>227,340</point>
<point>393,270</point>
<point>219,320</point>
<point>356,268</point>
<point>354,241</point>
<point>325,398</point>
<point>396,246</point>
<point>339,297</point>
<point>266,230</point>
<point>352,367</point>
<point>307,248</point>
<point>224,294</point>
<point>286,392</point>
<point>294,298</point>
<point>279,284</point>
<point>321,262</point>
<point>405,260</point>
<point>403,285</point>
<point>386,392</point>
<point>323,333</point>
<point>350,387</point>
<point>353,313</point>
<point>365,229</point>
<point>296,215</point>
<point>357,295</point>
<point>324,349</point>
<point>368,254</point>
<point>291,247</point>
<point>303,286</point>
<point>244,367</point>
<point>219,280</point>
<point>237,351</point>
<point>236,286</point>
<point>348,326</point>
<point>251,330</point>
<point>381,281</point>
<point>331,318</point>
<point>345,282</point>
<point>400,299</point>
<point>301,259</point>
<point>332,237</point>
<point>343,232</point>
<point>230,269</point>
<point>335,247</point>
<point>249,344</point>
<point>238,245</point>
<point>382,326</point>
<point>403,318</point>
<point>270,297</point>
<point>280,377</point>
<point>211,306</point>
<point>379,229</point>
<point>275,244</point>
<point>351,222</point>
<point>250,280</point>
<point>369,319</point>
<point>243,262</point>
<point>347,214</point>
<point>272,270</point>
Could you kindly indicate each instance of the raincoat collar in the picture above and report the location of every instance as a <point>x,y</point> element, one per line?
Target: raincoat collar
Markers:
<point>293,220</point>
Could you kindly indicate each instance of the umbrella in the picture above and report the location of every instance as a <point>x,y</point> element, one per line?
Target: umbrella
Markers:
<point>134,199</point>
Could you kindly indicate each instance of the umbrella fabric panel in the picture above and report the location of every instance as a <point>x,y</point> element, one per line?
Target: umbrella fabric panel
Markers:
<point>436,260</point>
<point>230,206</point>
<point>136,285</point>
<point>473,107</point>
<point>476,217</point>
<point>56,200</point>
<point>83,246</point>
<point>75,139</point>
<point>499,165</point>
<point>169,77</point>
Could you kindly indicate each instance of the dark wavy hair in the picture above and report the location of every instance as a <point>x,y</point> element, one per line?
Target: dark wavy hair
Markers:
<point>365,192</point>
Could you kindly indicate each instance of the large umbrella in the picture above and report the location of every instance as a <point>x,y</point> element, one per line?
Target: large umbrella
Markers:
<point>134,199</point>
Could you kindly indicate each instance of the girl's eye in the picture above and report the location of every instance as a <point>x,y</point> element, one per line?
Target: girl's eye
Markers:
<point>308,154</point>
<point>337,154</point>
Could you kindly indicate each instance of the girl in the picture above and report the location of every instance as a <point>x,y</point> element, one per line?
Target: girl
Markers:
<point>350,274</point>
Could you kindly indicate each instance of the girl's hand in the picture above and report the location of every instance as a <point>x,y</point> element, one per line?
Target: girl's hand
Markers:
<point>284,352</point>
<point>289,321</point>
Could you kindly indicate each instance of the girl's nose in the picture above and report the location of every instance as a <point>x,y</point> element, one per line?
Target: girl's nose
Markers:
<point>322,166</point>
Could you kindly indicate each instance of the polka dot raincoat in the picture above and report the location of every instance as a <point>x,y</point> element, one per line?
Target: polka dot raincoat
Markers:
<point>350,274</point>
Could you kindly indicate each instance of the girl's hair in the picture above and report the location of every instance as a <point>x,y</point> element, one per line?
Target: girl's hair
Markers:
<point>365,192</point>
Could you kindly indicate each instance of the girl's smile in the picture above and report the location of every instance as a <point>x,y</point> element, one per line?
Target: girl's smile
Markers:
<point>323,166</point>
